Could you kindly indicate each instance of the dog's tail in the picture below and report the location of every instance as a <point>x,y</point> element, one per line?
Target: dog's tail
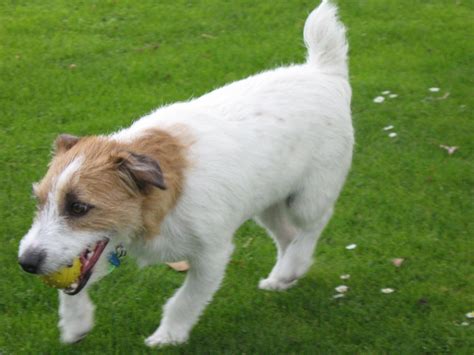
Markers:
<point>325,38</point>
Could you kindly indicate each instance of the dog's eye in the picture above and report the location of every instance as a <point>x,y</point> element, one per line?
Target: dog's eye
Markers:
<point>78,209</point>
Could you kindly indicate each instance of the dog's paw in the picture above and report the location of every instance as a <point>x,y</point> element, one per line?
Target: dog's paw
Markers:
<point>274,284</point>
<point>72,338</point>
<point>163,337</point>
<point>74,334</point>
<point>73,331</point>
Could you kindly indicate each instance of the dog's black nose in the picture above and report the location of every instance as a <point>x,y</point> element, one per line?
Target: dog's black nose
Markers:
<point>31,260</point>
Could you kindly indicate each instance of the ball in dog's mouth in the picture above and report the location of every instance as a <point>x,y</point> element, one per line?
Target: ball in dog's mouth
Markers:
<point>72,279</point>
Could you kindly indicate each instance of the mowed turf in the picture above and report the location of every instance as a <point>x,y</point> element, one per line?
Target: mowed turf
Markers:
<point>88,67</point>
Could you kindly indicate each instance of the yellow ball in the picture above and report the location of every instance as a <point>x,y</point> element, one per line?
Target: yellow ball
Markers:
<point>64,277</point>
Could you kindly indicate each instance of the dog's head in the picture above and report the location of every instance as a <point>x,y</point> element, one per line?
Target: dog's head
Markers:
<point>91,198</point>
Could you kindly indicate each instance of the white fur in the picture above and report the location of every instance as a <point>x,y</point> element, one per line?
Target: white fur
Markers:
<point>76,316</point>
<point>326,40</point>
<point>276,147</point>
<point>67,175</point>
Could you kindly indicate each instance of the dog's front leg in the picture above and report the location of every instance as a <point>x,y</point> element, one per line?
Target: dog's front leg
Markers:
<point>182,311</point>
<point>76,316</point>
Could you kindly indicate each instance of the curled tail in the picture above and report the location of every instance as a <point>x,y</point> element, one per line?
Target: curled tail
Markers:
<point>325,38</point>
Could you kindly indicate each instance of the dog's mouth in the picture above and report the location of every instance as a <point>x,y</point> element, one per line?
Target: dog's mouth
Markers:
<point>88,258</point>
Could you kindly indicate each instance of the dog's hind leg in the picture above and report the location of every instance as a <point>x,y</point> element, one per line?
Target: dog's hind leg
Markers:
<point>76,316</point>
<point>307,212</point>
<point>297,258</point>
<point>182,310</point>
<point>276,221</point>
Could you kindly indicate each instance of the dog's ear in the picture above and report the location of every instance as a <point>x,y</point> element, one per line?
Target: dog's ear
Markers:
<point>64,142</point>
<point>139,171</point>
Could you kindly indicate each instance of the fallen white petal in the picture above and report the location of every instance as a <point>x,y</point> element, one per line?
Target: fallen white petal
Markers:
<point>392,135</point>
<point>342,288</point>
<point>470,315</point>
<point>434,89</point>
<point>351,246</point>
<point>398,262</point>
<point>345,277</point>
<point>450,150</point>
<point>386,92</point>
<point>388,128</point>
<point>392,96</point>
<point>387,290</point>
<point>339,295</point>
<point>379,99</point>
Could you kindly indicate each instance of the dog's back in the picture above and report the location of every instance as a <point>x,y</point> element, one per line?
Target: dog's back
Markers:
<point>264,138</point>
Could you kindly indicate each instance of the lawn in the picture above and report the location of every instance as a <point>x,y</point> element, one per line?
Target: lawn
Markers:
<point>86,67</point>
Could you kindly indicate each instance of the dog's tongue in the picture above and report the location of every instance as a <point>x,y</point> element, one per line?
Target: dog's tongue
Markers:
<point>89,263</point>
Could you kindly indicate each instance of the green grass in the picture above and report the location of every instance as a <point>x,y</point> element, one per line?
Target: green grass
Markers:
<point>405,197</point>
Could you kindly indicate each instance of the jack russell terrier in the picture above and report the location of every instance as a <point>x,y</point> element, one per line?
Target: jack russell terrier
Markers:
<point>177,184</point>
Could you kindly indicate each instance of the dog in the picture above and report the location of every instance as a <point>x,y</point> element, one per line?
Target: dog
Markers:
<point>176,184</point>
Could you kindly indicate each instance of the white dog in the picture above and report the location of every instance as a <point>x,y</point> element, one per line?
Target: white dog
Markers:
<point>177,184</point>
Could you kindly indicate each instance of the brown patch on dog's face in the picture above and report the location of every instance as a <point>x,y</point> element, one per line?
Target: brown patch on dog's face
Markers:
<point>118,187</point>
<point>115,206</point>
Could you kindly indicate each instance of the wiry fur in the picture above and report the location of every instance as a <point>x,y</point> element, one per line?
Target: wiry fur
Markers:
<point>276,147</point>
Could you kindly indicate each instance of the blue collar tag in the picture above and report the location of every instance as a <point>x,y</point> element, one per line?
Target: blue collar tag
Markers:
<point>114,259</point>
<point>115,256</point>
